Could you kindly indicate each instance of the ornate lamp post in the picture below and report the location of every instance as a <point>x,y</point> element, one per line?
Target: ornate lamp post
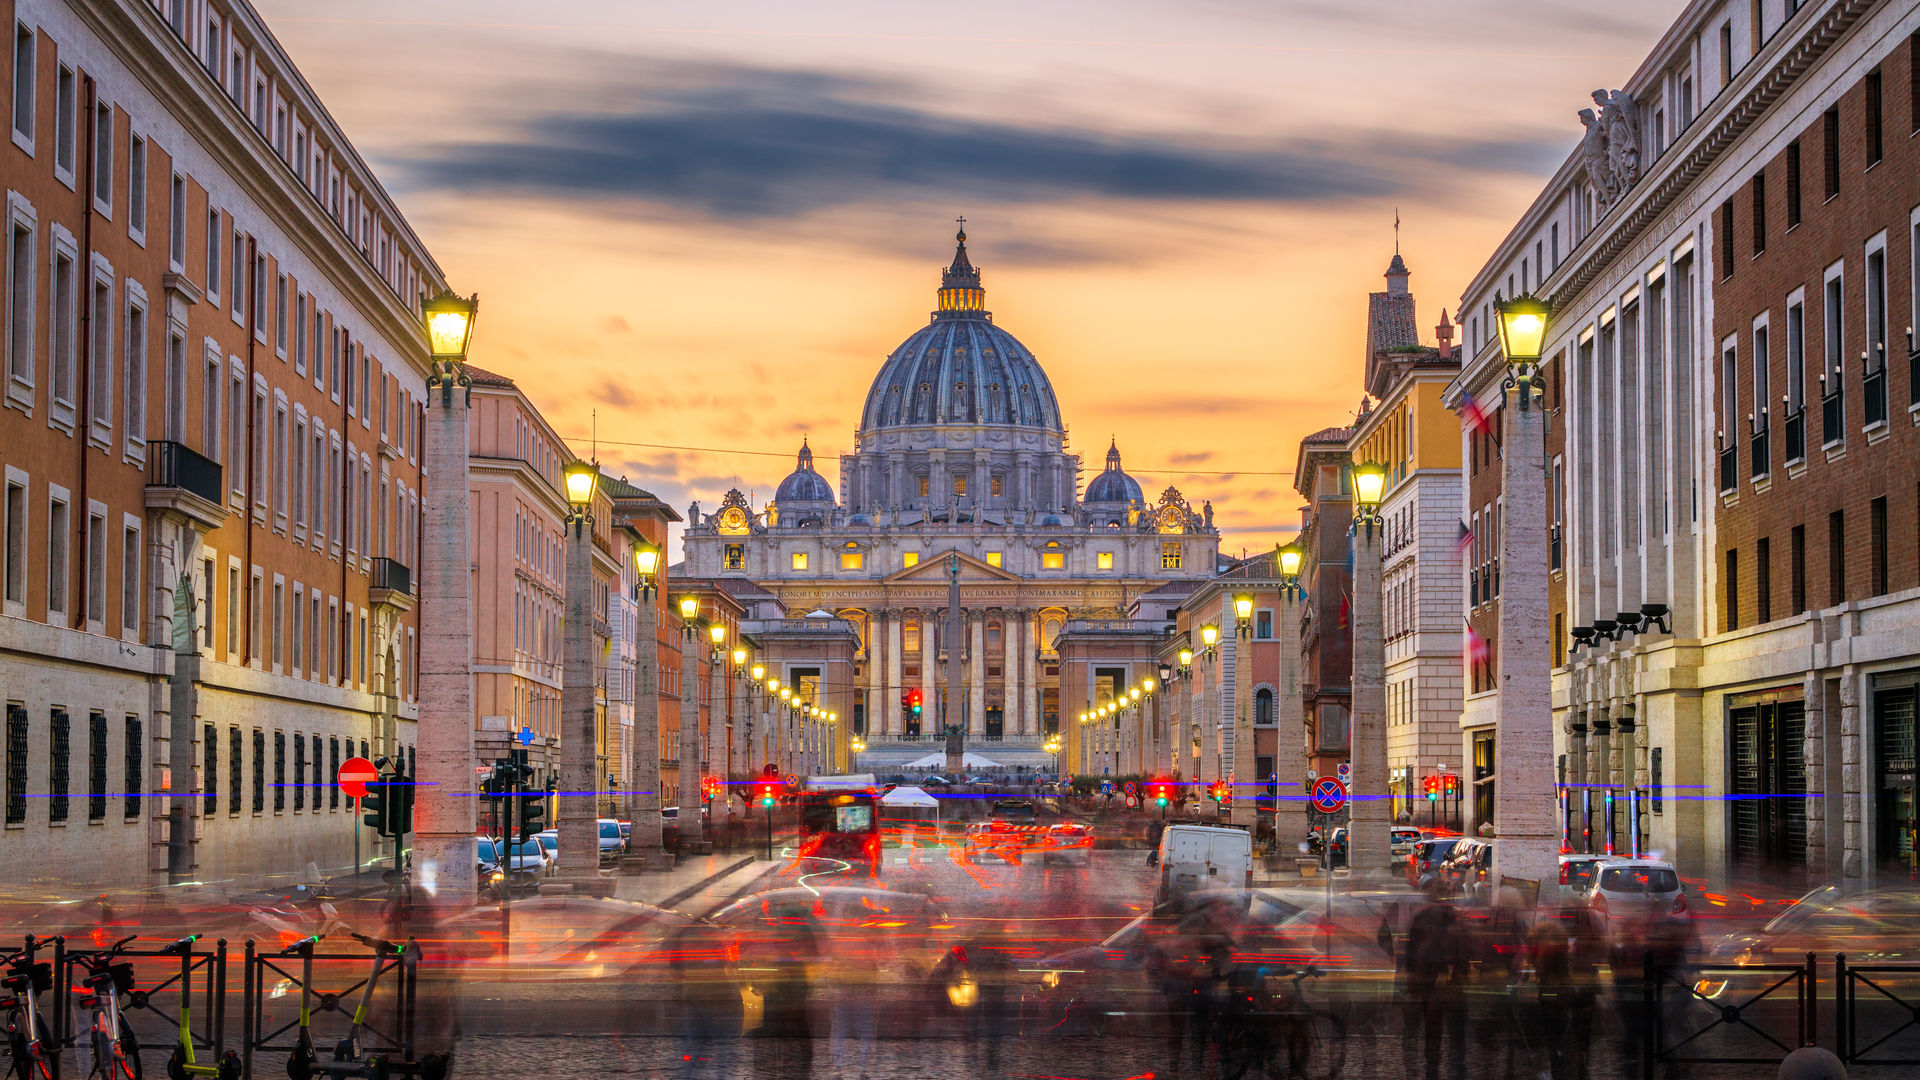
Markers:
<point>643,762</point>
<point>580,775</point>
<point>1368,836</point>
<point>1241,783</point>
<point>444,827</point>
<point>691,827</point>
<point>1524,803</point>
<point>1209,717</point>
<point>1292,818</point>
<point>1145,728</point>
<point>718,725</point>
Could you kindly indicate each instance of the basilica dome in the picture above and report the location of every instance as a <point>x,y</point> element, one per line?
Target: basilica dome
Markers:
<point>1114,485</point>
<point>961,369</point>
<point>803,485</point>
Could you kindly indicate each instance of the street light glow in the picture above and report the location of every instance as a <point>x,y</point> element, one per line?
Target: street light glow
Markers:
<point>582,479</point>
<point>1523,328</point>
<point>1209,635</point>
<point>1243,607</point>
<point>1289,558</point>
<point>1369,484</point>
<point>689,607</point>
<point>449,318</point>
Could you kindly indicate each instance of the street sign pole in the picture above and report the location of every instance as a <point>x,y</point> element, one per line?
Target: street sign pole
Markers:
<point>356,837</point>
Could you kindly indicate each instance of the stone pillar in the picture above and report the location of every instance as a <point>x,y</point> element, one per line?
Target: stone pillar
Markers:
<point>1208,716</point>
<point>739,745</point>
<point>643,762</point>
<point>691,828</point>
<point>929,659</point>
<point>1292,817</point>
<point>1523,746</point>
<point>1369,800</point>
<point>976,674</point>
<point>939,484</point>
<point>1599,755</point>
<point>1246,808</point>
<point>717,724</point>
<point>1576,780</point>
<point>981,491</point>
<point>1853,860</point>
<point>1015,723</point>
<point>1181,731</point>
<point>443,851</point>
<point>894,689</point>
<point>578,806</point>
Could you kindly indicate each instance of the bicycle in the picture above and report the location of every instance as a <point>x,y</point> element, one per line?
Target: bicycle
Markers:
<point>182,1064</point>
<point>29,1039</point>
<point>1267,1013</point>
<point>116,1051</point>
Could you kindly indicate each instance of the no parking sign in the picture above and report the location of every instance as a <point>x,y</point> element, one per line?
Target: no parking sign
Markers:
<point>1329,795</point>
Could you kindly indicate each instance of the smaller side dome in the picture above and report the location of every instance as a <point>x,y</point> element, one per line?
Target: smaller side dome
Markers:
<point>803,485</point>
<point>1113,485</point>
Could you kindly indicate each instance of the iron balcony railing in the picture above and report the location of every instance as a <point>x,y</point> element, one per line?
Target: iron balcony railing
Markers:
<point>1761,454</point>
<point>1729,467</point>
<point>1797,435</point>
<point>176,465</point>
<point>1832,413</point>
<point>393,575</point>
<point>1873,389</point>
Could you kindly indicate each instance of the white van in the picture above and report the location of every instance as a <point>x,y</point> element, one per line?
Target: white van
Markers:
<point>1194,857</point>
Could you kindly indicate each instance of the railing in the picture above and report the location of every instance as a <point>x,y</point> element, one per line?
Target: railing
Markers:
<point>1913,375</point>
<point>1832,416</point>
<point>1873,389</point>
<point>1554,553</point>
<point>393,575</point>
<point>1892,1008</point>
<point>1729,468</point>
<point>1473,587</point>
<point>1726,1014</point>
<point>176,465</point>
<point>1797,435</point>
<point>1762,458</point>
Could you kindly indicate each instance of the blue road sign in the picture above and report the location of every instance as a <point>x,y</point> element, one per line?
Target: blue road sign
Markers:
<point>525,736</point>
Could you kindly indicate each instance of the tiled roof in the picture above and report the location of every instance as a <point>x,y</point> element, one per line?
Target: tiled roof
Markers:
<point>1330,435</point>
<point>482,377</point>
<point>1390,322</point>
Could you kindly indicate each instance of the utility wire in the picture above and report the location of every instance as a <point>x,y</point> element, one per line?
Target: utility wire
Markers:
<point>831,453</point>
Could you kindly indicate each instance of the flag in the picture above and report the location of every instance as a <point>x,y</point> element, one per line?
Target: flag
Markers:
<point>1474,418</point>
<point>1477,650</point>
<point>1464,541</point>
<point>1346,608</point>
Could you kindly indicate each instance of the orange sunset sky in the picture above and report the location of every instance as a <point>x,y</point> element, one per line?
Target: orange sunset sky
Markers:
<point>705,225</point>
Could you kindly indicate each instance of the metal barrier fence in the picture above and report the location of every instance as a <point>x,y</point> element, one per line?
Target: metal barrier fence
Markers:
<point>1702,1014</point>
<point>1892,1008</point>
<point>388,1051</point>
<point>209,965</point>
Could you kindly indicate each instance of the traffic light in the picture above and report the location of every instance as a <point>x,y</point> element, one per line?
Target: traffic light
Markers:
<point>710,788</point>
<point>1432,787</point>
<point>533,814</point>
<point>1218,791</point>
<point>1160,792</point>
<point>913,700</point>
<point>400,804</point>
<point>764,793</point>
<point>376,806</point>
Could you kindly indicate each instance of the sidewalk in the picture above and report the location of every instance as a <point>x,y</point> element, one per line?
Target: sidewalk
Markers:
<point>704,883</point>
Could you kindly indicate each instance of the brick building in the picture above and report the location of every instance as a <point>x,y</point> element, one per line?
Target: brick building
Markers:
<point>1322,476</point>
<point>214,364</point>
<point>1733,587</point>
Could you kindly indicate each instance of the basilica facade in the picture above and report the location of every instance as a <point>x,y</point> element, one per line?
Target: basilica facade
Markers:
<point>961,464</point>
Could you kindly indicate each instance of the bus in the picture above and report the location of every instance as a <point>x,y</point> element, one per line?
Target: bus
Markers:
<point>840,820</point>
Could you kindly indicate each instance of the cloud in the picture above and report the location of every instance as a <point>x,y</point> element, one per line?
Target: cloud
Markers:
<point>746,143</point>
<point>1194,458</point>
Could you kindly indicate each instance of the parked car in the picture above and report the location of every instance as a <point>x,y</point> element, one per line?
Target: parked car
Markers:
<point>611,842</point>
<point>1468,868</point>
<point>1425,858</point>
<point>1069,841</point>
<point>551,841</point>
<point>1578,875</point>
<point>1403,837</point>
<point>1193,857</point>
<point>1632,892</point>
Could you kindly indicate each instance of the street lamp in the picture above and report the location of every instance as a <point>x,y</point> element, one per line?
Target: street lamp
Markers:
<point>1243,613</point>
<point>643,763</point>
<point>1186,663</point>
<point>1367,833</point>
<point>449,319</point>
<point>582,480</point>
<point>1369,484</point>
<point>691,823</point>
<point>1209,641</point>
<point>1523,333</point>
<point>1289,559</point>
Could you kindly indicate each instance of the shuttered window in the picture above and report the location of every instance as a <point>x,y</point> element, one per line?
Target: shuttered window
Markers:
<point>134,755</point>
<point>16,764</point>
<point>210,765</point>
<point>236,773</point>
<point>97,767</point>
<point>60,765</point>
<point>259,771</point>
<point>1769,785</point>
<point>299,772</point>
<point>279,771</point>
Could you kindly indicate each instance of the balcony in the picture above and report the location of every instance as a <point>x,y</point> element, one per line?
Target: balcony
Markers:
<point>1555,552</point>
<point>1797,435</point>
<point>1832,416</point>
<point>1913,375</point>
<point>185,482</point>
<point>1762,454</point>
<point>1729,468</point>
<point>391,583</point>
<point>1873,403</point>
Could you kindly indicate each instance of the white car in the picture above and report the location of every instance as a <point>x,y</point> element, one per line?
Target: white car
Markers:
<point>611,842</point>
<point>1637,891</point>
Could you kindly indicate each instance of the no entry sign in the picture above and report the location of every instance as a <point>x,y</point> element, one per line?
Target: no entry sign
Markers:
<point>355,774</point>
<point>1329,795</point>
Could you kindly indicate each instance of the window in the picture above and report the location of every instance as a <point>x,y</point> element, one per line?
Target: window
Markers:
<point>1793,184</point>
<point>853,560</point>
<point>1726,239</point>
<point>16,763</point>
<point>66,121</point>
<point>134,383</point>
<point>960,486</point>
<point>100,355</point>
<point>279,622</point>
<point>236,755</point>
<point>59,765</point>
<point>97,766</point>
<point>20,305</point>
<point>1763,581</point>
<point>1830,145</point>
<point>923,487</point>
<point>65,314</point>
<point>59,528</point>
<point>799,560</point>
<point>1170,555</point>
<point>1104,560</point>
<point>233,613</point>
<point>24,71</point>
<point>333,769</point>
<point>1877,518</point>
<point>103,157</point>
<point>210,768</point>
<point>132,753</point>
<point>1833,429</point>
<point>280,307</point>
<point>237,269</point>
<point>1263,625</point>
<point>16,568</point>
<point>299,773</point>
<point>214,239</point>
<point>994,488</point>
<point>909,559</point>
<point>1797,571</point>
<point>259,771</point>
<point>1836,558</point>
<point>1263,706</point>
<point>993,558</point>
<point>130,580</point>
<point>1730,618</point>
<point>1726,53</point>
<point>1759,212</point>
<point>1872,120</point>
<point>137,186</point>
<point>1053,560</point>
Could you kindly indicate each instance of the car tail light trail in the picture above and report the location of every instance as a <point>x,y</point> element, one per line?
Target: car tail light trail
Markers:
<point>1564,869</point>
<point>1680,903</point>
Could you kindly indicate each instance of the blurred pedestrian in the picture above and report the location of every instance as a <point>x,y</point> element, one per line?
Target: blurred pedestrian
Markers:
<point>1436,967</point>
<point>707,1013</point>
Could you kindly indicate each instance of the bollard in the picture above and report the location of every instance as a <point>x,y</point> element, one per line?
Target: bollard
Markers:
<point>1812,1063</point>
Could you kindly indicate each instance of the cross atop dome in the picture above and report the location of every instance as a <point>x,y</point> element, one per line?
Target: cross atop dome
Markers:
<point>960,290</point>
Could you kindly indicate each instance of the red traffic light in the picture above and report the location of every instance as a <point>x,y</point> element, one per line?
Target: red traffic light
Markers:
<point>912,700</point>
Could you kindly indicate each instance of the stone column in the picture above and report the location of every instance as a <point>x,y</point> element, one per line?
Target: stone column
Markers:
<point>717,724</point>
<point>1246,809</point>
<point>891,694</point>
<point>1813,693</point>
<point>939,484</point>
<point>579,803</point>
<point>691,828</point>
<point>976,674</point>
<point>1208,716</point>
<point>1523,746</point>
<point>1369,801</point>
<point>1181,732</point>
<point>1599,754</point>
<point>1292,818</point>
<point>739,746</point>
<point>981,492</point>
<point>1576,779</point>
<point>1852,775</point>
<point>643,763</point>
<point>929,660</point>
<point>443,845</point>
